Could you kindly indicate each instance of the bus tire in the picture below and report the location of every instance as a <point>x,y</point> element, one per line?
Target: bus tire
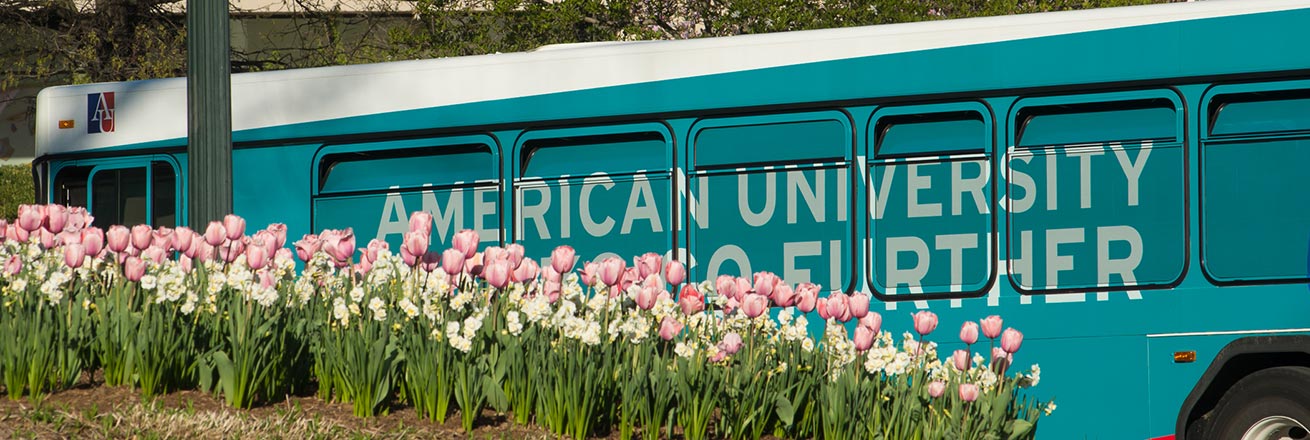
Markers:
<point>1270,403</point>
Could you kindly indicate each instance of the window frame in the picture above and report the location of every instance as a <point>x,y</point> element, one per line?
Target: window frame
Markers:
<point>873,139</point>
<point>119,163</point>
<point>1205,119</point>
<point>1095,100</point>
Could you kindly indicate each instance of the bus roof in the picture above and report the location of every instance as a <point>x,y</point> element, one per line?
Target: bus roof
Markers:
<point>152,111</point>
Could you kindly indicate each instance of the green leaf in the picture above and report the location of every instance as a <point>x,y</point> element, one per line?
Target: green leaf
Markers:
<point>496,397</point>
<point>786,411</point>
<point>226,375</point>
<point>1019,429</point>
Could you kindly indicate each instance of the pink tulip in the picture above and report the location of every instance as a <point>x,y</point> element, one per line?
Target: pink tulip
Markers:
<point>30,217</point>
<point>858,304</point>
<point>215,233</point>
<point>56,218</point>
<point>267,280</point>
<point>588,274</point>
<point>731,343</point>
<point>412,248</point>
<point>991,326</point>
<point>628,278</point>
<point>279,231</point>
<point>646,297</point>
<point>13,265</point>
<point>822,307</point>
<point>94,240</point>
<point>675,272</point>
<point>552,289</point>
<point>1011,340</point>
<point>863,338</point>
<point>754,304</point>
<point>466,241</point>
<point>968,392</point>
<point>669,328</point>
<point>183,238</point>
<point>473,266</point>
<point>648,264</point>
<point>117,238</point>
<point>925,322</point>
<point>142,236</point>
<point>421,222</point>
<point>134,268</point>
<point>68,237</point>
<point>561,259</point>
<point>346,248</point>
<point>256,256</point>
<point>999,354</point>
<point>74,254</point>
<point>766,282</point>
<point>78,218</point>
<point>726,286</point>
<point>376,246</point>
<point>48,239</point>
<point>961,358</point>
<point>549,273</point>
<point>203,251</point>
<point>969,332</point>
<point>307,246</point>
<point>872,321</point>
<point>452,261</point>
<point>185,263</point>
<point>514,252</point>
<point>15,233</point>
<point>363,267</point>
<point>936,388</point>
<point>653,281</point>
<point>690,300</point>
<point>162,237</point>
<point>235,226</point>
<point>838,307</point>
<point>807,295</point>
<point>783,295</point>
<point>283,254</point>
<point>611,270</point>
<point>494,253</point>
<point>497,273</point>
<point>430,261</point>
<point>527,271</point>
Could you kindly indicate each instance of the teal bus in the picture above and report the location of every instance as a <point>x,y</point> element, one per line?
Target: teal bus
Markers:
<point>1126,185</point>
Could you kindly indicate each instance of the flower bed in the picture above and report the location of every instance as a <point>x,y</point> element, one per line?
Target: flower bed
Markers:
<point>580,351</point>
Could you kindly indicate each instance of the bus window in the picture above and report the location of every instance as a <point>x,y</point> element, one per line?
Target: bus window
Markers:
<point>118,195</point>
<point>1254,207</point>
<point>773,193</point>
<point>405,168</point>
<point>1095,194</point>
<point>70,186</point>
<point>931,197</point>
<point>163,212</point>
<point>373,187</point>
<point>602,190</point>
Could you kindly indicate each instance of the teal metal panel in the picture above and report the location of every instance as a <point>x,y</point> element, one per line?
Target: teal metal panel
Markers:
<point>272,185</point>
<point>771,141</point>
<point>1271,116</point>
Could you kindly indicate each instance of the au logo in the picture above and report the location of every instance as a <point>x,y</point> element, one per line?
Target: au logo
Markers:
<point>100,112</point>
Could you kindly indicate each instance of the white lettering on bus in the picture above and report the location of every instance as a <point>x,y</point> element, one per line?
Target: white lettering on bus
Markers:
<point>536,213</point>
<point>450,219</point>
<point>974,186</point>
<point>751,217</point>
<point>916,182</point>
<point>1085,178</point>
<point>643,194</point>
<point>589,224</point>
<point>799,187</point>
<point>1132,170</point>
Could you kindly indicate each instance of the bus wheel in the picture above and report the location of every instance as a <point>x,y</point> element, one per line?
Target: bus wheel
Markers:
<point>1273,403</point>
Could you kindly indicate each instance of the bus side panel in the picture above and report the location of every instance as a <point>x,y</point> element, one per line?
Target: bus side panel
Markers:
<point>271,185</point>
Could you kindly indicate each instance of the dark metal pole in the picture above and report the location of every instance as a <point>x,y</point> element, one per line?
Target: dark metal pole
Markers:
<point>209,112</point>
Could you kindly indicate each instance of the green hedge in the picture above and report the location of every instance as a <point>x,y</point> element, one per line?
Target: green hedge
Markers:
<point>16,188</point>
